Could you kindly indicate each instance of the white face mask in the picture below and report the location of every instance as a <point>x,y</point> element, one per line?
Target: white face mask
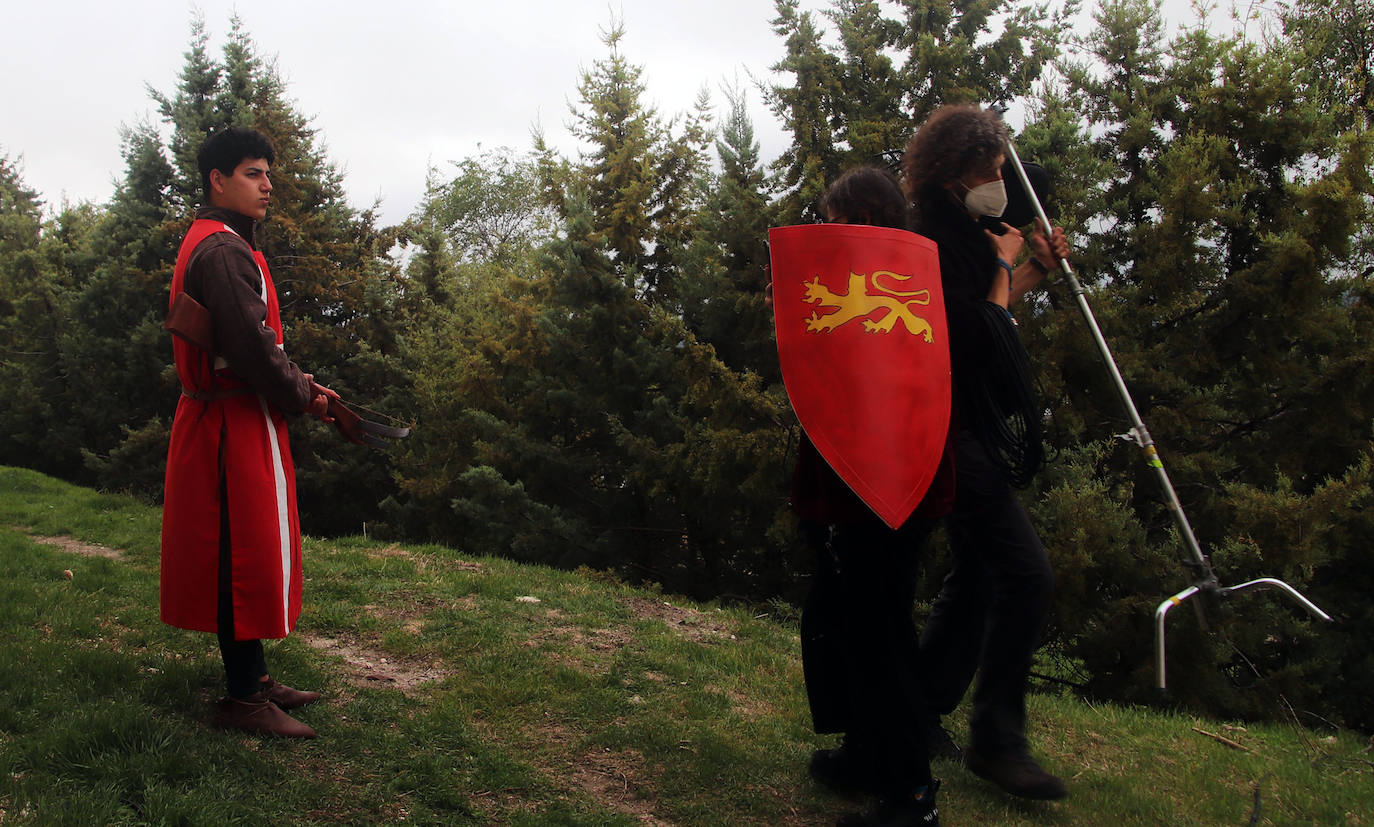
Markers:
<point>987,199</point>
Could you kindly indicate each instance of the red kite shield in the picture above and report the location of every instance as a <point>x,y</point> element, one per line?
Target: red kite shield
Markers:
<point>865,355</point>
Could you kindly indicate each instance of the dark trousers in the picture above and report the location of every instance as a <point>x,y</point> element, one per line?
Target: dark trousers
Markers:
<point>991,608</point>
<point>244,662</point>
<point>860,649</point>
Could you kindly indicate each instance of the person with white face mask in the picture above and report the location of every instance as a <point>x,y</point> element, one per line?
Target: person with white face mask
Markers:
<point>994,601</point>
<point>986,199</point>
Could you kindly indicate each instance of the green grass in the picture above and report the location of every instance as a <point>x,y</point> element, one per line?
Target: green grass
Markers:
<point>451,701</point>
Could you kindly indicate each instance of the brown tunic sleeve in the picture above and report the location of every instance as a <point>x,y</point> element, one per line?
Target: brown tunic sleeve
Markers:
<point>223,276</point>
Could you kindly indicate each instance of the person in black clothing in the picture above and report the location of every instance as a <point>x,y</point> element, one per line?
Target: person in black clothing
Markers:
<point>993,603</point>
<point>860,647</point>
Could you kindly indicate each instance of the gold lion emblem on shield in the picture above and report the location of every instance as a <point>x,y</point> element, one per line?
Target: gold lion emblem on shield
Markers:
<point>868,295</point>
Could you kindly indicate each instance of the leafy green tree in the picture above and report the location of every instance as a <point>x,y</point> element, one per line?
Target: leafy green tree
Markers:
<point>573,421</point>
<point>491,209</point>
<point>84,343</point>
<point>472,294</point>
<point>582,425</point>
<point>469,361</point>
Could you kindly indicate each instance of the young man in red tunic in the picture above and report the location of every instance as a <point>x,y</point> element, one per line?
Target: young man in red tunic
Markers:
<point>231,549</point>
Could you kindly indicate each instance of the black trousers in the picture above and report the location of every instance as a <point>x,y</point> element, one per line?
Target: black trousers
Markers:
<point>991,608</point>
<point>244,662</point>
<point>860,649</point>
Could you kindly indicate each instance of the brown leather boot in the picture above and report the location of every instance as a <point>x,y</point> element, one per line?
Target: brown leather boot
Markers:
<point>286,697</point>
<point>256,713</point>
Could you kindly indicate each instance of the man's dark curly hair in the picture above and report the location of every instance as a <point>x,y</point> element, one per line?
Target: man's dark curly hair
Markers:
<point>226,149</point>
<point>867,195</point>
<point>954,142</point>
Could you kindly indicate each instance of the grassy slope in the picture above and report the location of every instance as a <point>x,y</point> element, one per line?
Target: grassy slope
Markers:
<point>450,700</point>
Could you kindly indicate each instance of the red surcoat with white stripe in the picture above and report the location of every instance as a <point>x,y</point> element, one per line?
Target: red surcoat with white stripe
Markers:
<point>228,455</point>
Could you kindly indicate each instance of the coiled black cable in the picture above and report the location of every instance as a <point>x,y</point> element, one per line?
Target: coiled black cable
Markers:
<point>1000,408</point>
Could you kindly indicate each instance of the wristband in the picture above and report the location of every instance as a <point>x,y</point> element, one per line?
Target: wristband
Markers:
<point>1001,262</point>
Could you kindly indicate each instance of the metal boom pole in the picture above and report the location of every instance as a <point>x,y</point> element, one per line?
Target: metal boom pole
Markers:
<point>1204,579</point>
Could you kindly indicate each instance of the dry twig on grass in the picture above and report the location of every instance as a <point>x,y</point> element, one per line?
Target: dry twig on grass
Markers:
<point>1223,739</point>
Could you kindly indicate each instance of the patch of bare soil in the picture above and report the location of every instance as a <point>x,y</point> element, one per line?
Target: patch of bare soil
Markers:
<point>75,546</point>
<point>617,780</point>
<point>613,779</point>
<point>587,650</point>
<point>367,666</point>
<point>371,668</point>
<point>409,615</point>
<point>692,624</point>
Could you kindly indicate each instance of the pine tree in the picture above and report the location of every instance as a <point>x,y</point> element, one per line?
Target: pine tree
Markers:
<point>975,51</point>
<point>113,348</point>
<point>1336,66</point>
<point>853,105</point>
<point>21,211</point>
<point>1220,236</point>
<point>680,166</point>
<point>33,314</point>
<point>430,273</point>
<point>724,301</point>
<point>639,175</point>
<point>337,286</point>
<point>871,87</point>
<point>192,112</point>
<point>619,168</point>
<point>806,107</point>
<point>1337,49</point>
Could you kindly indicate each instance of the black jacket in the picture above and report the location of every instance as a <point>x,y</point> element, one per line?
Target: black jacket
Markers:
<point>993,389</point>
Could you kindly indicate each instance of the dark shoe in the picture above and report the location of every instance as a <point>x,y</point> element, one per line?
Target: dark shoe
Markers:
<point>286,697</point>
<point>940,743</point>
<point>845,769</point>
<point>905,811</point>
<point>256,713</point>
<point>1016,773</point>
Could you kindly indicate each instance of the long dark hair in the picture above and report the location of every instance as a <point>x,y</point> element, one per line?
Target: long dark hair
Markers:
<point>867,195</point>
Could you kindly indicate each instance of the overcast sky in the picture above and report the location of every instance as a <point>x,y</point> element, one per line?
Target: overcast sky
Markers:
<point>393,87</point>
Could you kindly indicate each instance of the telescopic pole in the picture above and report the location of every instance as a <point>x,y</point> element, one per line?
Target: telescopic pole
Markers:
<point>1204,579</point>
